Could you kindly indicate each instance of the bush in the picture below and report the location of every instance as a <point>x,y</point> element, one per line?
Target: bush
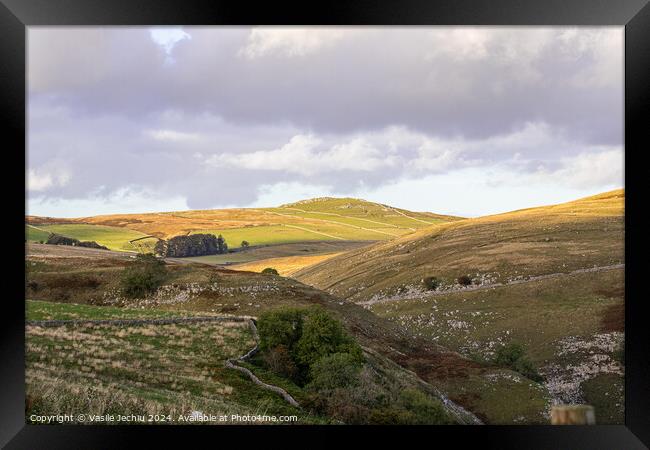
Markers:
<point>337,370</point>
<point>306,335</point>
<point>280,328</point>
<point>321,336</point>
<point>143,277</point>
<point>57,239</point>
<point>431,283</point>
<point>244,244</point>
<point>270,271</point>
<point>279,360</point>
<point>464,280</point>
<point>424,409</point>
<point>513,356</point>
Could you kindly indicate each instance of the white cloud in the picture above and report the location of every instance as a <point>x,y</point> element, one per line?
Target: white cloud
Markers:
<point>306,155</point>
<point>398,151</point>
<point>290,42</point>
<point>42,180</point>
<point>168,37</point>
<point>588,170</point>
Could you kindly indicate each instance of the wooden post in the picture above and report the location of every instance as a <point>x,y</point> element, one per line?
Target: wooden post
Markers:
<point>573,415</point>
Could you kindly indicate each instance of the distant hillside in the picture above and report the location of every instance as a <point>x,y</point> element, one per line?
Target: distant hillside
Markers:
<point>322,219</point>
<point>530,242</point>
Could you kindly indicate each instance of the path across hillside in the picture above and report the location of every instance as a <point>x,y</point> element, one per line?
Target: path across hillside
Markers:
<point>492,285</point>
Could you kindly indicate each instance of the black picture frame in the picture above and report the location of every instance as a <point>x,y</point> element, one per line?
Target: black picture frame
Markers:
<point>16,15</point>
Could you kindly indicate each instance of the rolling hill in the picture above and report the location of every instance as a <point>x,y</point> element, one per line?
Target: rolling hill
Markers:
<point>79,283</point>
<point>338,223</point>
<point>320,219</point>
<point>506,247</point>
<point>549,278</point>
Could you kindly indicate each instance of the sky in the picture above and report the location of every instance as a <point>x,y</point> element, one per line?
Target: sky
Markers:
<point>455,120</point>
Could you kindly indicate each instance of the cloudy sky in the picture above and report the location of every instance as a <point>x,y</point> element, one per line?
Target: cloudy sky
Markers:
<point>457,120</point>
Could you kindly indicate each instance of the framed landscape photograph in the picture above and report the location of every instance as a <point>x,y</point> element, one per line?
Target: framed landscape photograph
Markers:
<point>267,220</point>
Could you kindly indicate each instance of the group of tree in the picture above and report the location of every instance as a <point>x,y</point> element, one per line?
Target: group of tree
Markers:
<point>57,239</point>
<point>312,349</point>
<point>192,245</point>
<point>296,341</point>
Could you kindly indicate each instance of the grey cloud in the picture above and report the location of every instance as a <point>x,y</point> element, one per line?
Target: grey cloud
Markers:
<point>108,107</point>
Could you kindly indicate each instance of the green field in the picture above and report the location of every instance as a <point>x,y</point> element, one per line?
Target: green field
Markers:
<point>325,219</point>
<point>35,234</point>
<point>263,235</point>
<point>115,238</point>
<point>143,370</point>
<point>41,310</point>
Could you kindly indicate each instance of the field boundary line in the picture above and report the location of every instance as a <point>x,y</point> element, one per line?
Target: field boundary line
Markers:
<point>232,363</point>
<point>351,217</point>
<point>336,223</point>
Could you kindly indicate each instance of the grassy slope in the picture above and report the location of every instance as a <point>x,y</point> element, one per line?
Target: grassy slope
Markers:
<point>62,277</point>
<point>319,220</point>
<point>115,238</point>
<point>36,234</point>
<point>541,314</point>
<point>286,266</point>
<point>536,241</point>
<point>290,250</point>
<point>483,319</point>
<point>150,369</point>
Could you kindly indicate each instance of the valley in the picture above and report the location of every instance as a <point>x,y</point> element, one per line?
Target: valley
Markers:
<point>433,301</point>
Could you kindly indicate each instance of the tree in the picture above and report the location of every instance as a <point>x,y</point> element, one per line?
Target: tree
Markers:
<point>323,335</point>
<point>270,271</point>
<point>143,276</point>
<point>431,283</point>
<point>193,245</point>
<point>280,328</point>
<point>245,244</point>
<point>464,280</point>
<point>337,370</point>
<point>307,335</point>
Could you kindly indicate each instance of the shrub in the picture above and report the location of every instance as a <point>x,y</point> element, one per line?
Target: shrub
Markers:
<point>342,404</point>
<point>307,335</point>
<point>245,244</point>
<point>431,283</point>
<point>424,409</point>
<point>323,335</point>
<point>279,360</point>
<point>337,370</point>
<point>57,239</point>
<point>143,276</point>
<point>389,415</point>
<point>270,271</point>
<point>464,280</point>
<point>513,356</point>
<point>280,328</point>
